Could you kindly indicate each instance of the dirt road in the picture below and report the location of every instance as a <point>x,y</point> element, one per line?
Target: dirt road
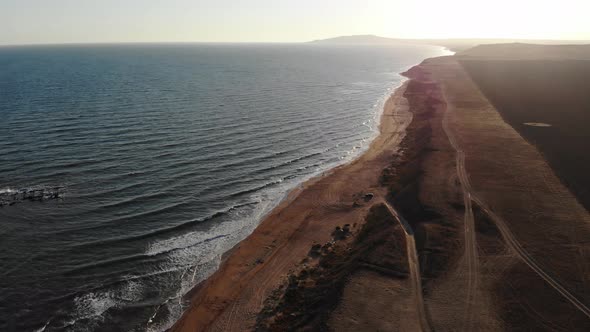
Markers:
<point>469,226</point>
<point>414,266</point>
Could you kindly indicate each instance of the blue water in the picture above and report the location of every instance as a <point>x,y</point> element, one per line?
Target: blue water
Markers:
<point>170,154</point>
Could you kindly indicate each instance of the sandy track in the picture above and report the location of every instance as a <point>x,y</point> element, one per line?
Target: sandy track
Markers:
<point>528,260</point>
<point>469,225</point>
<point>414,267</point>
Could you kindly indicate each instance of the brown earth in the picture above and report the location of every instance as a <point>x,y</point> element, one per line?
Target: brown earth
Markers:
<point>501,243</point>
<point>538,225</point>
<point>553,92</point>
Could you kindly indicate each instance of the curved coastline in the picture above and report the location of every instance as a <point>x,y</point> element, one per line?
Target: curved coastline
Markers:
<point>136,207</point>
<point>210,298</point>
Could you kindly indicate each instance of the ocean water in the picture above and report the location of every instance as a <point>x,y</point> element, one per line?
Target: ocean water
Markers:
<point>170,155</point>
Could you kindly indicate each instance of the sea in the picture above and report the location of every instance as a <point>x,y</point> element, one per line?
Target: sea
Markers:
<point>168,155</point>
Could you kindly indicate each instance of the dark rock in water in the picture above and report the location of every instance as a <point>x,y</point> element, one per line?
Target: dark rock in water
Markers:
<point>368,196</point>
<point>11,197</point>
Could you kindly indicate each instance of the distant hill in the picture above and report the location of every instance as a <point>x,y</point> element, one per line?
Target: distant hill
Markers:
<point>358,39</point>
<point>452,44</point>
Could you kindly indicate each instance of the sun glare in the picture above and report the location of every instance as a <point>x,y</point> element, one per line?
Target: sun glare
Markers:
<point>484,19</point>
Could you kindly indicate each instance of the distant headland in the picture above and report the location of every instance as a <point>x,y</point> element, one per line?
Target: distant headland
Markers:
<point>454,44</point>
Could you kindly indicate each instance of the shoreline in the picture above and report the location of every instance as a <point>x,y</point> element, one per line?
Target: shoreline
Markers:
<point>386,141</point>
<point>291,193</point>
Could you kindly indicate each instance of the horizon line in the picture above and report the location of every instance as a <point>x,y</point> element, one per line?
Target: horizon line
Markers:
<point>291,42</point>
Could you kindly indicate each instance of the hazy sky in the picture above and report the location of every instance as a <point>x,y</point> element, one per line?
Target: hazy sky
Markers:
<point>63,21</point>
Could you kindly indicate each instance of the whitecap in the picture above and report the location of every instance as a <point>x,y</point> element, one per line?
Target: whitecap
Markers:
<point>7,191</point>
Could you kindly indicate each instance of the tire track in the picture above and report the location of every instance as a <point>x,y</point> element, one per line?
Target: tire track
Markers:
<point>528,260</point>
<point>469,227</point>
<point>503,226</point>
<point>414,267</point>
